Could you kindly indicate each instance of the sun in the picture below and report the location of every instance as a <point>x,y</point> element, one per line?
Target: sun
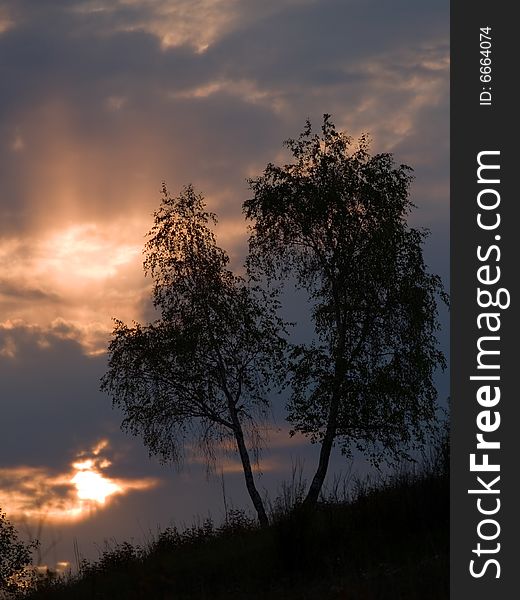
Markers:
<point>92,485</point>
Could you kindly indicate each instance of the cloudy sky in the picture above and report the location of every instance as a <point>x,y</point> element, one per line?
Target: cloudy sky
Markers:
<point>101,101</point>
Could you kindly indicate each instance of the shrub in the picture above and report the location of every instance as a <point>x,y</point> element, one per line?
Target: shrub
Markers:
<point>15,555</point>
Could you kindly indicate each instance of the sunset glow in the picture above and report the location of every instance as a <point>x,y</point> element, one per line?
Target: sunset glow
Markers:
<point>35,493</point>
<point>90,482</point>
<point>91,485</point>
<point>81,276</point>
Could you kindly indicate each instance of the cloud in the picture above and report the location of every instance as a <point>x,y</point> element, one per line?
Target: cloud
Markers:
<point>115,113</point>
<point>51,402</point>
<point>71,281</point>
<point>197,23</point>
<point>6,22</point>
<point>231,466</point>
<point>11,288</point>
<point>271,454</point>
<point>16,336</point>
<point>36,493</point>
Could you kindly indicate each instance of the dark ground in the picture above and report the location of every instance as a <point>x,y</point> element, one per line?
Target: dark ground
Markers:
<point>389,542</point>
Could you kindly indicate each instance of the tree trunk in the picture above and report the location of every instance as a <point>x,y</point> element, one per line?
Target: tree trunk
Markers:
<point>326,447</point>
<point>248,472</point>
<point>332,422</point>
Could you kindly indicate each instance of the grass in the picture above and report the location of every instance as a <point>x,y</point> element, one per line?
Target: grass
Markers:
<point>386,541</point>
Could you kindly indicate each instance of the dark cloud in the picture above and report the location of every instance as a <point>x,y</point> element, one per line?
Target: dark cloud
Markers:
<point>13,289</point>
<point>76,87</point>
<point>50,398</point>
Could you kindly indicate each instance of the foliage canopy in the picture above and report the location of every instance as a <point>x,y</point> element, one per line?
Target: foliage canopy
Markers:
<point>201,373</point>
<point>336,220</point>
<point>15,555</point>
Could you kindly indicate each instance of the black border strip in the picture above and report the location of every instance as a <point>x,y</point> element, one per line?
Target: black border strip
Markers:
<point>476,128</point>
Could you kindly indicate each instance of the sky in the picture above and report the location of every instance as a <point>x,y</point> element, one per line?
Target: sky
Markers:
<point>100,102</point>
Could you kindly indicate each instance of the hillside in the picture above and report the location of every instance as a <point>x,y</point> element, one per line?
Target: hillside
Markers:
<point>389,542</point>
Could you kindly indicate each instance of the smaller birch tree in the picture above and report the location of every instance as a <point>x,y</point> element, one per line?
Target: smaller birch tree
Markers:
<point>202,373</point>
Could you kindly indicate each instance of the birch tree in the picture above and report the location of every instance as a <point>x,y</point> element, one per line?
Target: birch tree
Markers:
<point>335,220</point>
<point>201,374</point>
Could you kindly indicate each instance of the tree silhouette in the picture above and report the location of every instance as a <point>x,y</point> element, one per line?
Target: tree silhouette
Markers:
<point>335,218</point>
<point>14,555</point>
<point>202,372</point>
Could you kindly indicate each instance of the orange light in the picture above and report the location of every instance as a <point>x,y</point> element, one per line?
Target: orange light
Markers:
<point>91,485</point>
<point>34,493</point>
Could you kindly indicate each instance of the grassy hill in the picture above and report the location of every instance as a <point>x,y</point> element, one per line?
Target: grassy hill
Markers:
<point>388,542</point>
